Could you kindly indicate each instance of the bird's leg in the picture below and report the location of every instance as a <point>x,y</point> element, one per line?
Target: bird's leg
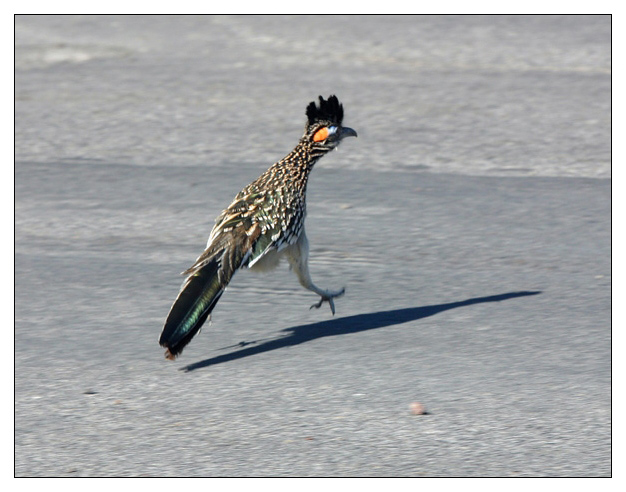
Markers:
<point>298,256</point>
<point>327,295</point>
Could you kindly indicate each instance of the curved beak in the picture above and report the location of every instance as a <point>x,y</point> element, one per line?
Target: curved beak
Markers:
<point>346,132</point>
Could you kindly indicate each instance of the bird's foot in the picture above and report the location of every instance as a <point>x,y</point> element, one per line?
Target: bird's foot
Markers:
<point>328,296</point>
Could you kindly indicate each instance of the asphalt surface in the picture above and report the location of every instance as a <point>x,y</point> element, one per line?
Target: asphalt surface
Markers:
<point>470,223</point>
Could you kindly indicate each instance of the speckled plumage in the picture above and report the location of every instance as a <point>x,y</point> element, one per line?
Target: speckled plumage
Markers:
<point>264,222</point>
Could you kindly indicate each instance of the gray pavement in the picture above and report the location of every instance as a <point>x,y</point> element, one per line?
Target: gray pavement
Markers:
<point>470,223</point>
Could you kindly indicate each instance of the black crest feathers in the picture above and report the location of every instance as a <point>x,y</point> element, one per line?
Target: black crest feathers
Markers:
<point>330,111</point>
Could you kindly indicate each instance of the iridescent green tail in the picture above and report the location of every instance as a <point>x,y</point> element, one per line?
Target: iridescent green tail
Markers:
<point>192,307</point>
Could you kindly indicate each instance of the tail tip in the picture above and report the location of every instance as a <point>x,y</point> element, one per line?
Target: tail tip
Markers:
<point>169,355</point>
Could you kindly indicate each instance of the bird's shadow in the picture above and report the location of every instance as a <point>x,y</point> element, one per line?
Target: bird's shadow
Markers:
<point>344,326</point>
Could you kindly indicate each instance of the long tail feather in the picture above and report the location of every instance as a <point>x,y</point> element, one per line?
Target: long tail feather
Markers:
<point>206,281</point>
<point>192,307</point>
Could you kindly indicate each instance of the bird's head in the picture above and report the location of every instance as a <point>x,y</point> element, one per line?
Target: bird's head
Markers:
<point>323,128</point>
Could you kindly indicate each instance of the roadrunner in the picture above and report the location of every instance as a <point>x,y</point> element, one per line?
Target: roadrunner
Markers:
<point>264,222</point>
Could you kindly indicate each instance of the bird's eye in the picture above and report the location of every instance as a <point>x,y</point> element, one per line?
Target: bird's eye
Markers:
<point>323,133</point>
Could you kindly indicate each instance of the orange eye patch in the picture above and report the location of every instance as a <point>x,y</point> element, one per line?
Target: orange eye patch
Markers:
<point>321,134</point>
